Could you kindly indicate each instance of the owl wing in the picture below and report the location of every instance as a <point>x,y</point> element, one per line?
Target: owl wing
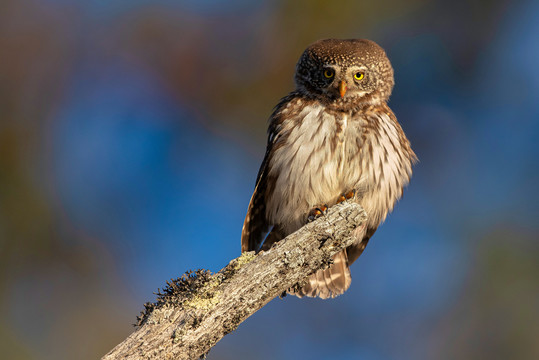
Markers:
<point>256,225</point>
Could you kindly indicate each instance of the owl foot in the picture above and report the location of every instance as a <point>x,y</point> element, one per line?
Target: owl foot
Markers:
<point>346,196</point>
<point>316,212</point>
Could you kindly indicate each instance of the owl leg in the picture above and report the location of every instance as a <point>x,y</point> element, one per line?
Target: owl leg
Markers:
<point>346,196</point>
<point>316,212</point>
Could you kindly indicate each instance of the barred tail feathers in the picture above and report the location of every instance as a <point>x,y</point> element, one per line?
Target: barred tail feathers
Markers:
<point>328,283</point>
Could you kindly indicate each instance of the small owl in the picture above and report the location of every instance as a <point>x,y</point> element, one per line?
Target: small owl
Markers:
<point>330,140</point>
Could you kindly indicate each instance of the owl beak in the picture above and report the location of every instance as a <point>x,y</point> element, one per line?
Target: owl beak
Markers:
<point>342,88</point>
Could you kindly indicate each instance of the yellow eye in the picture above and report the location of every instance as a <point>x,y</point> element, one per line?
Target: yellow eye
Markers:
<point>328,73</point>
<point>359,75</point>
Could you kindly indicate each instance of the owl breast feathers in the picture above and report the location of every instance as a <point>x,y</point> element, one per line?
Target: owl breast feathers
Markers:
<point>333,135</point>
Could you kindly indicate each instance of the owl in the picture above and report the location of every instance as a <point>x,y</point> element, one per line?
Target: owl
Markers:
<point>332,139</point>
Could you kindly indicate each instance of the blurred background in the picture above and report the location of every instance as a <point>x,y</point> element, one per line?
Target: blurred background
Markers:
<point>131,132</point>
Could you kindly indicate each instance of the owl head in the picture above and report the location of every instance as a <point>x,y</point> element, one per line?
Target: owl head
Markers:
<point>345,72</point>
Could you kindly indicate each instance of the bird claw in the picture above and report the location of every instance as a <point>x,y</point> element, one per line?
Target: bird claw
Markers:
<point>316,212</point>
<point>346,196</point>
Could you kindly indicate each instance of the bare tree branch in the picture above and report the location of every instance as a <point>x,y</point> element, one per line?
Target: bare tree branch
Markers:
<point>194,312</point>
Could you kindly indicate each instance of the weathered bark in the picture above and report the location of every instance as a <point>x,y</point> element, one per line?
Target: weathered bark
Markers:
<point>195,312</point>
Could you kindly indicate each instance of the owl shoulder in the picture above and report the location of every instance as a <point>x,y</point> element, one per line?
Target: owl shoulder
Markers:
<point>383,111</point>
<point>288,111</point>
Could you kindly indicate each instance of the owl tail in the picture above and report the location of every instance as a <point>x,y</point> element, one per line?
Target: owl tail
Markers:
<point>331,282</point>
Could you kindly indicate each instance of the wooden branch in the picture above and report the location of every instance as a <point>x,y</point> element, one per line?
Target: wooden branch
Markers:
<point>194,312</point>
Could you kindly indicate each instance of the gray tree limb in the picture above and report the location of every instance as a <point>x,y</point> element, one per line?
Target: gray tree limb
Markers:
<point>194,312</point>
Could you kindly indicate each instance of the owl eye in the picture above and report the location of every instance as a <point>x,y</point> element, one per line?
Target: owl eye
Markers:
<point>359,75</point>
<point>328,73</point>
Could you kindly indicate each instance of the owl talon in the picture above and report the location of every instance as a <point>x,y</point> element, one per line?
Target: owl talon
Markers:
<point>346,196</point>
<point>316,212</point>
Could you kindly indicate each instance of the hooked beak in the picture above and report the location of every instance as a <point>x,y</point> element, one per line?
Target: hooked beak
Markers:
<point>342,88</point>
